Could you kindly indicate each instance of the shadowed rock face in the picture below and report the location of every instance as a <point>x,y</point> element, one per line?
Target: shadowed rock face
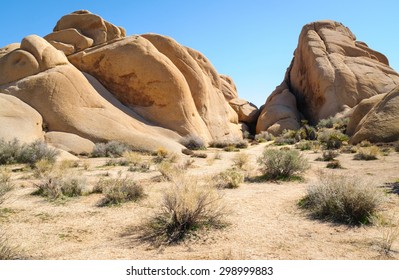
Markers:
<point>146,90</point>
<point>330,72</point>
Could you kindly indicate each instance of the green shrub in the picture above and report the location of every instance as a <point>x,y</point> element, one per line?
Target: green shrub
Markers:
<point>234,143</point>
<point>336,123</point>
<point>264,136</point>
<point>118,190</point>
<point>110,149</point>
<point>282,164</point>
<point>193,142</point>
<point>185,208</point>
<point>304,145</point>
<point>332,139</point>
<point>59,187</point>
<point>329,155</point>
<point>367,153</point>
<point>14,152</point>
<point>343,199</point>
<point>229,179</point>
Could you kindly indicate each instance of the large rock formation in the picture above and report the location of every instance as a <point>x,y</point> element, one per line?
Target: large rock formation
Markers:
<point>147,90</point>
<point>330,72</point>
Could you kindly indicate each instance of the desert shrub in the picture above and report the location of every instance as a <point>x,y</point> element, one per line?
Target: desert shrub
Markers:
<point>396,146</point>
<point>42,168</point>
<point>282,164</point>
<point>306,132</point>
<point>385,151</point>
<point>304,145</point>
<point>231,149</point>
<point>59,187</point>
<point>199,155</point>
<point>119,190</point>
<point>280,141</point>
<point>116,162</point>
<point>110,149</point>
<point>334,164</point>
<point>160,155</point>
<point>15,152</point>
<point>188,163</point>
<point>332,139</point>
<point>193,142</point>
<point>389,230</point>
<point>264,136</point>
<point>169,171</point>
<point>233,143</point>
<point>367,153</point>
<point>348,149</point>
<point>331,122</point>
<point>6,251</point>
<point>343,199</point>
<point>143,166</point>
<point>329,155</point>
<point>5,184</point>
<point>365,143</point>
<point>185,208</point>
<point>229,179</point>
<point>241,160</point>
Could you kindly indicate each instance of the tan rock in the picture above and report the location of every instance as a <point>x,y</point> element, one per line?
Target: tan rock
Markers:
<point>16,65</point>
<point>279,112</point>
<point>90,25</point>
<point>229,88</point>
<point>381,123</point>
<point>360,110</point>
<point>69,142</point>
<point>247,112</point>
<point>70,37</point>
<point>19,120</point>
<point>9,48</point>
<point>331,69</point>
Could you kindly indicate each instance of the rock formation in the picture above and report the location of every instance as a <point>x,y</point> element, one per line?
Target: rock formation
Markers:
<point>330,72</point>
<point>90,80</point>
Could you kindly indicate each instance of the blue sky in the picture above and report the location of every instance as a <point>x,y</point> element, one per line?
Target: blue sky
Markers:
<point>250,40</point>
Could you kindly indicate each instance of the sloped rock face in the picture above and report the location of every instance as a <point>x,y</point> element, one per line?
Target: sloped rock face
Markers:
<point>330,72</point>
<point>147,91</point>
<point>381,123</point>
<point>19,120</point>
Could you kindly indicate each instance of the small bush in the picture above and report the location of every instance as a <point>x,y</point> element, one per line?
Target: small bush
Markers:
<point>282,164</point>
<point>229,179</point>
<point>56,187</point>
<point>332,139</point>
<point>396,146</point>
<point>199,155</point>
<point>5,184</point>
<point>368,153</point>
<point>160,155</point>
<point>118,191</point>
<point>389,229</point>
<point>334,164</point>
<point>185,208</point>
<point>193,142</point>
<point>331,122</point>
<point>233,144</point>
<point>343,199</point>
<point>385,151</point>
<point>116,162</point>
<point>42,168</point>
<point>329,155</point>
<point>169,171</point>
<point>280,141</point>
<point>304,145</point>
<point>241,160</point>
<point>6,251</point>
<point>365,143</point>
<point>349,149</point>
<point>264,136</point>
<point>110,149</point>
<point>14,152</point>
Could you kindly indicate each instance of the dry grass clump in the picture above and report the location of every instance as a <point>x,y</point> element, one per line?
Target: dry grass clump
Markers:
<point>282,164</point>
<point>229,145</point>
<point>396,146</point>
<point>329,155</point>
<point>5,184</point>
<point>193,142</point>
<point>59,186</point>
<point>241,160</point>
<point>334,164</point>
<point>7,252</point>
<point>228,179</point>
<point>170,171</point>
<point>118,190</point>
<point>367,153</point>
<point>263,136</point>
<point>185,208</point>
<point>304,145</point>
<point>389,230</point>
<point>15,152</point>
<point>342,199</point>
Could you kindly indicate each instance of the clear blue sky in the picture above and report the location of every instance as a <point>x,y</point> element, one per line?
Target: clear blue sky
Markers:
<point>250,40</point>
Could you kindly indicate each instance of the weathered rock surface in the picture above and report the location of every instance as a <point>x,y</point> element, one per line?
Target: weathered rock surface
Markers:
<point>381,123</point>
<point>19,120</point>
<point>330,72</point>
<point>247,112</point>
<point>71,143</point>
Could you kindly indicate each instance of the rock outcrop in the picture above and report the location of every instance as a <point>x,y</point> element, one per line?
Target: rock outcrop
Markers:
<point>89,80</point>
<point>330,72</point>
<point>381,123</point>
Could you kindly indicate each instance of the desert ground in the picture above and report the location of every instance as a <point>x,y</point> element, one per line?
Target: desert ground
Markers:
<point>263,219</point>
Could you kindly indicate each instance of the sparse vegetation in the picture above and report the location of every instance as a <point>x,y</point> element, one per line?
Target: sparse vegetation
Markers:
<point>193,142</point>
<point>14,152</point>
<point>264,136</point>
<point>110,149</point>
<point>186,207</point>
<point>304,145</point>
<point>229,179</point>
<point>230,144</point>
<point>367,153</point>
<point>342,199</point>
<point>329,155</point>
<point>389,230</point>
<point>332,122</point>
<point>6,251</point>
<point>332,139</point>
<point>5,184</point>
<point>118,190</point>
<point>334,164</point>
<point>169,171</point>
<point>59,187</point>
<point>282,164</point>
<point>241,160</point>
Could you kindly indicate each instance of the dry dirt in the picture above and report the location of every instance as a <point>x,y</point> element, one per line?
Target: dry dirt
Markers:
<point>264,219</point>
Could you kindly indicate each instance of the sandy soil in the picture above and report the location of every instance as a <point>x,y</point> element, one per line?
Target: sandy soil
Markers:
<point>264,219</point>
